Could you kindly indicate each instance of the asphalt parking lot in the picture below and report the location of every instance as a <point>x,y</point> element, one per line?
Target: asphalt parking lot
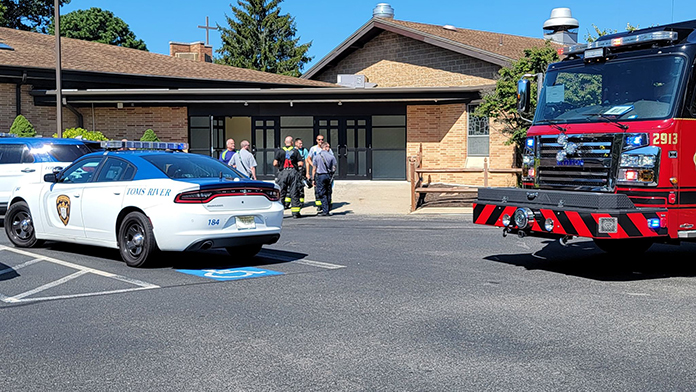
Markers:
<point>352,303</point>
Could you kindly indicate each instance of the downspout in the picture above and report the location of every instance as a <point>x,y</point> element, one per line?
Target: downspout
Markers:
<point>18,94</point>
<point>80,118</point>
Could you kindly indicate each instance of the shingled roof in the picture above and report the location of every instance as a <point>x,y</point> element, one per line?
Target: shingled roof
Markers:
<point>37,51</point>
<point>496,48</point>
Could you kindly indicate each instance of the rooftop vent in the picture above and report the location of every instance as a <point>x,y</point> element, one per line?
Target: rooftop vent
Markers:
<point>383,10</point>
<point>561,27</point>
<point>449,27</point>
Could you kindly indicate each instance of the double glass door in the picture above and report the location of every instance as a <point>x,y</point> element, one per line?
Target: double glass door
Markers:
<point>350,139</point>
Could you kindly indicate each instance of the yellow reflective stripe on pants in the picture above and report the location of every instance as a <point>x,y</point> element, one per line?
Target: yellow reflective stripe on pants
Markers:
<point>317,203</point>
<point>288,200</point>
<point>295,209</point>
<point>301,199</point>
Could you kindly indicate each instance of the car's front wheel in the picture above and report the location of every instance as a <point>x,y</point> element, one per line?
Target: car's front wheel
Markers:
<point>19,226</point>
<point>244,252</point>
<point>136,240</point>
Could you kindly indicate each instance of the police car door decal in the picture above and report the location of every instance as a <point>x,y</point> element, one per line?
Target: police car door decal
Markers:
<point>63,207</point>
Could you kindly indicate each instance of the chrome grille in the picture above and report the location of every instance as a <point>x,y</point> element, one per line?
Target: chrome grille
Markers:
<point>591,167</point>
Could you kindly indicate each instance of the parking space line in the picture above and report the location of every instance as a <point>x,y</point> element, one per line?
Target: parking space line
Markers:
<point>81,270</point>
<point>47,286</point>
<point>19,266</point>
<point>320,264</point>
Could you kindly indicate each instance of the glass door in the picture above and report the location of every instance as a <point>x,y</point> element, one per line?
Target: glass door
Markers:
<point>350,140</point>
<point>265,140</point>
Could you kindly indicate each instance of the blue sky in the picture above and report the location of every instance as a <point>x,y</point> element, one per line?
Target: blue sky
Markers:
<point>327,23</point>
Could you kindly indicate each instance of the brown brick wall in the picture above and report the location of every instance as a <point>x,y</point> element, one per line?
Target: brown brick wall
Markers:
<point>441,131</point>
<point>392,60</point>
<point>169,123</point>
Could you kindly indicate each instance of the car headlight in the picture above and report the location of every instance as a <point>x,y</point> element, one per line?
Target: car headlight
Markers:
<point>639,166</point>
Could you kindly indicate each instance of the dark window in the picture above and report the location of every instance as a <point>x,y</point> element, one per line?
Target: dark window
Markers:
<point>116,170</point>
<point>80,172</point>
<point>15,153</point>
<point>68,152</point>
<point>191,166</point>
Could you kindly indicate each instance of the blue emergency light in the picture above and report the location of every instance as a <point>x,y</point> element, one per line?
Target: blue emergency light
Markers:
<point>530,143</point>
<point>654,223</point>
<point>134,145</point>
<point>7,134</point>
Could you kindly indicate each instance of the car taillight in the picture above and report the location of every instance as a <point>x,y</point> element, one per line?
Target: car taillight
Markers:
<point>205,196</point>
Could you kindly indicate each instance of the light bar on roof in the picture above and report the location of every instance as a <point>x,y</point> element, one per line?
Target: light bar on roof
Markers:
<point>638,39</point>
<point>121,145</point>
<point>7,134</point>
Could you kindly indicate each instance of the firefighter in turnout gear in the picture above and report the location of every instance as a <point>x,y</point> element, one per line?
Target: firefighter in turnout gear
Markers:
<point>289,163</point>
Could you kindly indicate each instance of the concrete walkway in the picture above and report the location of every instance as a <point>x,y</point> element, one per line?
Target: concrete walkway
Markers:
<point>373,198</point>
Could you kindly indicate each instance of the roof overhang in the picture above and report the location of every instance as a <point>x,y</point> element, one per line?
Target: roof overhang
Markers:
<point>280,95</point>
<point>377,25</point>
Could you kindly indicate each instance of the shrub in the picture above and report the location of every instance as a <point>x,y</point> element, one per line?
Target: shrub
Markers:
<point>22,127</point>
<point>149,136</point>
<point>72,133</point>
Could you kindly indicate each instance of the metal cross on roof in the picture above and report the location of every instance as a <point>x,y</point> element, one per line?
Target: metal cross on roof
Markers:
<point>207,28</point>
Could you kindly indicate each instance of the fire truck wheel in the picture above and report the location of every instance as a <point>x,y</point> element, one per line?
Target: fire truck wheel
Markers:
<point>631,246</point>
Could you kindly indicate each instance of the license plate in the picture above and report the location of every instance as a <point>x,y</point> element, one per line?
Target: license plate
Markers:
<point>245,222</point>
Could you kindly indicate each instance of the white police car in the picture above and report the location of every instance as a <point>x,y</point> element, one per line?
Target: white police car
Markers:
<point>25,160</point>
<point>145,200</point>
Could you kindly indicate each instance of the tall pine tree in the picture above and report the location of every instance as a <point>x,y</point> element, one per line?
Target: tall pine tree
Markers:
<point>260,38</point>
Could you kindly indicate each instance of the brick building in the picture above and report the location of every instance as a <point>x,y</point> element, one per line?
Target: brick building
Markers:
<point>398,54</point>
<point>403,85</point>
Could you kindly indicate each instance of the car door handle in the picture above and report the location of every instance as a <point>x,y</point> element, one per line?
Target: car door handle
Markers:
<point>117,193</point>
<point>77,196</point>
<point>27,170</point>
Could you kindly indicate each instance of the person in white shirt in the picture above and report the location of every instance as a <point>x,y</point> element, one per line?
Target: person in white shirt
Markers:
<point>244,161</point>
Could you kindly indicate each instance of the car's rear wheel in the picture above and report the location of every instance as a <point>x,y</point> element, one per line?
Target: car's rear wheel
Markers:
<point>136,240</point>
<point>19,226</point>
<point>627,246</point>
<point>244,252</point>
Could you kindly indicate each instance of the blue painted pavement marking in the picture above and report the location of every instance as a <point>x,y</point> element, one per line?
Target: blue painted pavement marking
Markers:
<point>231,273</point>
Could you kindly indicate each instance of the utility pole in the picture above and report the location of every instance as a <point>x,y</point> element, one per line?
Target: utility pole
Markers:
<point>59,89</point>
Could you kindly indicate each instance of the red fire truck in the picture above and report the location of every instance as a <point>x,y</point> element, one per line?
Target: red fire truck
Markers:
<point>611,153</point>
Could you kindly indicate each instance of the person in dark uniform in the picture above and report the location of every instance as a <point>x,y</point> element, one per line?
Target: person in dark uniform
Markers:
<point>289,163</point>
<point>303,171</point>
<point>325,166</point>
<point>226,155</point>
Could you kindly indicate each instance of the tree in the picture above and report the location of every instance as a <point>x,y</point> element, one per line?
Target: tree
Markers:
<point>260,38</point>
<point>501,103</point>
<point>29,15</point>
<point>149,136</point>
<point>97,25</point>
<point>589,37</point>
<point>22,127</point>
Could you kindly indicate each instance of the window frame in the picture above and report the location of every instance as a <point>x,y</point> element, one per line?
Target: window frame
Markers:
<point>470,108</point>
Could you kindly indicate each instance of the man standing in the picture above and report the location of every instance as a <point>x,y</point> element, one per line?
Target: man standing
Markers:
<point>303,171</point>
<point>226,156</point>
<point>310,164</point>
<point>289,162</point>
<point>244,161</point>
<point>325,167</point>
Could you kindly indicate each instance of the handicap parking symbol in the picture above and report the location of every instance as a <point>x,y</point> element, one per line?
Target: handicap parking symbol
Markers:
<point>231,273</point>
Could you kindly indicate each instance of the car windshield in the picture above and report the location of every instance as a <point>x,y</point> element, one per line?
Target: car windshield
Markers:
<point>67,152</point>
<point>634,89</point>
<point>191,166</point>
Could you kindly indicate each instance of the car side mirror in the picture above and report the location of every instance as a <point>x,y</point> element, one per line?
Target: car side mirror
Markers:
<point>523,98</point>
<point>50,177</point>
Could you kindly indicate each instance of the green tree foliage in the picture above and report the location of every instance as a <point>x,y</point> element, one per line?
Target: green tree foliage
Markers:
<point>260,38</point>
<point>592,37</point>
<point>501,104</point>
<point>72,133</point>
<point>22,127</point>
<point>97,25</point>
<point>29,15</point>
<point>150,136</point>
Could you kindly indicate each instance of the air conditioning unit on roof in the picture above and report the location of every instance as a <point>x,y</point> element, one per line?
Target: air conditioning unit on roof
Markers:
<point>187,56</point>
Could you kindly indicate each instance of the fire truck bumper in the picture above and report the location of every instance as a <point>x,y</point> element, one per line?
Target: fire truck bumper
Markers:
<point>558,214</point>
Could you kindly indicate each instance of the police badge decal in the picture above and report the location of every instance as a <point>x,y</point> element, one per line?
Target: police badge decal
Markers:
<point>63,207</point>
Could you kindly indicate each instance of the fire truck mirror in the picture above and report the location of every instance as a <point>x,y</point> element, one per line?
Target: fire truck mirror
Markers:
<point>523,98</point>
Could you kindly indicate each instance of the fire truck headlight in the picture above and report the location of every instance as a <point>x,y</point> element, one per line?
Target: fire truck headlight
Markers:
<point>639,166</point>
<point>524,218</point>
<point>549,224</point>
<point>506,220</point>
